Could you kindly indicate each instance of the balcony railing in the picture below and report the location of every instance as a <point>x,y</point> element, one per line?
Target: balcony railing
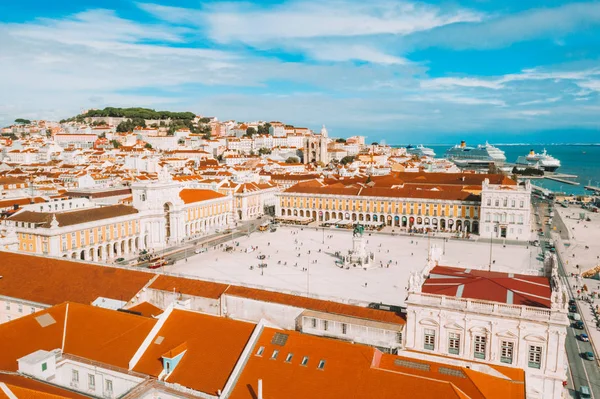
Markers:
<point>489,307</point>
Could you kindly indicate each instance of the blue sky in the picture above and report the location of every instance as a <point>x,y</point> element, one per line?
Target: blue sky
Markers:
<point>400,71</point>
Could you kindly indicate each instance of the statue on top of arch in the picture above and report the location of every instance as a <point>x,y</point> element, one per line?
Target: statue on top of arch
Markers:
<point>164,175</point>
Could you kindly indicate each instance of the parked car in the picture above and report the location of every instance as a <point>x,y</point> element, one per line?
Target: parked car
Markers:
<point>573,309</point>
<point>584,392</point>
<point>584,338</point>
<point>572,302</point>
<point>120,259</point>
<point>578,325</point>
<point>588,356</point>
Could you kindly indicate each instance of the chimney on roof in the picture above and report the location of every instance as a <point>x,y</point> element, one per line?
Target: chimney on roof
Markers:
<point>16,206</point>
<point>259,394</point>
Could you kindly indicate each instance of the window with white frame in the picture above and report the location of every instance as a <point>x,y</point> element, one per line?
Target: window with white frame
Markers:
<point>91,381</point>
<point>325,325</point>
<point>429,339</point>
<point>313,323</point>
<point>454,343</point>
<point>506,351</point>
<point>535,356</point>
<point>344,328</point>
<point>479,346</point>
<point>108,385</point>
<point>75,376</point>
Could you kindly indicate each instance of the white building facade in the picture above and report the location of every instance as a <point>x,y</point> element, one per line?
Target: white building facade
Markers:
<point>506,211</point>
<point>526,337</point>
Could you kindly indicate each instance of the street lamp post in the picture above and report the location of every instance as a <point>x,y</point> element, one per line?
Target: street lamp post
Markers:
<point>496,224</point>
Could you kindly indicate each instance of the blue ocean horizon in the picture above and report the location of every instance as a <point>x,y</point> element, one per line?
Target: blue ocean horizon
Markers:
<point>581,159</point>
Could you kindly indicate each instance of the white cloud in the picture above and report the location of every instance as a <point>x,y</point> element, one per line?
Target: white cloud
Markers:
<point>541,101</point>
<point>247,23</point>
<point>461,82</point>
<point>457,99</point>
<point>357,52</point>
<point>500,31</point>
<point>534,112</point>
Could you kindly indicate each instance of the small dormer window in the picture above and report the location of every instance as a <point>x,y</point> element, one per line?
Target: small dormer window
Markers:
<point>274,355</point>
<point>321,365</point>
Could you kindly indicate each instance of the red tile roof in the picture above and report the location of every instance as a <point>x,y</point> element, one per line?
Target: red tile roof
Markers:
<point>146,309</point>
<point>28,388</point>
<point>190,195</point>
<point>316,304</point>
<point>350,371</point>
<point>214,345</point>
<point>94,333</point>
<point>514,289</point>
<point>51,281</point>
<point>189,286</point>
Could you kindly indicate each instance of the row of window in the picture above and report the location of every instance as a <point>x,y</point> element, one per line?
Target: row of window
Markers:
<point>513,203</point>
<point>289,357</point>
<point>348,204</point>
<point>326,325</point>
<point>502,217</point>
<point>480,345</point>
<point>108,384</point>
<point>19,307</point>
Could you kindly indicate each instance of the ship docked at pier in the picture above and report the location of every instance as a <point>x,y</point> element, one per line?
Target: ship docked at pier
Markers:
<point>420,151</point>
<point>482,155</point>
<point>543,161</point>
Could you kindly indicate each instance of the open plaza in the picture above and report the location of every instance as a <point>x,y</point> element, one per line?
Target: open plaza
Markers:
<point>302,261</point>
<point>583,235</point>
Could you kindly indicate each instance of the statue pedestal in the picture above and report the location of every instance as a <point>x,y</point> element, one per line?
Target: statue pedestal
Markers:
<point>358,247</point>
<point>359,256</point>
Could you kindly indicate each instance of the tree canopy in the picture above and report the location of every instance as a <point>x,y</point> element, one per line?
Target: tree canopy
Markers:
<point>250,132</point>
<point>23,121</point>
<point>347,159</point>
<point>264,151</point>
<point>340,140</point>
<point>264,129</point>
<point>144,113</point>
<point>292,160</point>
<point>130,124</point>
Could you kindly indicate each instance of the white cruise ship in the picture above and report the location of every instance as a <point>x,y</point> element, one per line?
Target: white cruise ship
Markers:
<point>480,155</point>
<point>543,161</point>
<point>420,151</point>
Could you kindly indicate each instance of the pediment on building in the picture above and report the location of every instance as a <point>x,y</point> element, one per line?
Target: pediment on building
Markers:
<point>453,326</point>
<point>479,329</point>
<point>428,322</point>
<point>534,338</point>
<point>507,334</point>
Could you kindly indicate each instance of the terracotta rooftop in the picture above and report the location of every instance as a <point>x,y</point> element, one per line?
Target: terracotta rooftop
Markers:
<point>508,288</point>
<point>189,286</point>
<point>191,195</point>
<point>354,371</point>
<point>146,309</point>
<point>44,219</point>
<point>27,388</point>
<point>214,345</point>
<point>316,304</point>
<point>94,333</point>
<point>52,281</point>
